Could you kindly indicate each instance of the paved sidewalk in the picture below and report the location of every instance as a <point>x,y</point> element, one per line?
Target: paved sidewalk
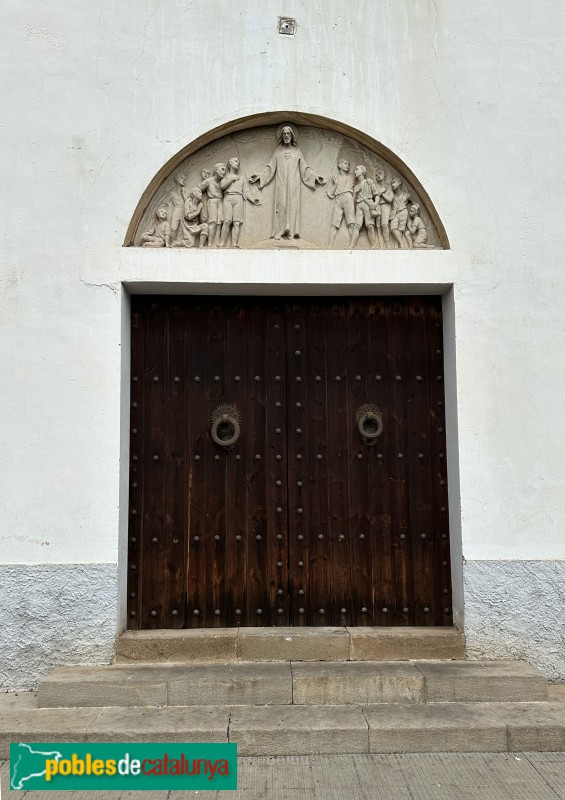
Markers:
<point>434,776</point>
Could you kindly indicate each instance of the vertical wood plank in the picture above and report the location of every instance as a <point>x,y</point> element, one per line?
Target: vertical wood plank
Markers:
<point>360,456</point>
<point>345,600</point>
<point>379,496</point>
<point>421,521</point>
<point>216,465</point>
<point>136,492</point>
<point>155,467</point>
<point>197,419</point>
<point>400,499</point>
<point>174,546</point>
<point>276,462</point>
<point>438,459</point>
<point>236,483</point>
<point>257,594</point>
<point>299,540</point>
<point>311,365</point>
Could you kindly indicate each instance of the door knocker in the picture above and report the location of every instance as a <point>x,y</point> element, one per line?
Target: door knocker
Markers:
<point>370,423</point>
<point>226,426</point>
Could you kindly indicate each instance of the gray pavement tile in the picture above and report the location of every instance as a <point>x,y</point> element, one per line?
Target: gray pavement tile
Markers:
<point>551,766</point>
<point>356,793</point>
<point>285,793</point>
<point>85,795</point>
<point>556,757</point>
<point>264,772</point>
<point>458,792</point>
<point>424,776</point>
<point>385,793</point>
<point>479,776</point>
<point>557,789</point>
<point>5,780</point>
<point>204,794</point>
<point>333,773</point>
<point>292,777</point>
<point>247,779</point>
<point>473,769</point>
<point>381,769</point>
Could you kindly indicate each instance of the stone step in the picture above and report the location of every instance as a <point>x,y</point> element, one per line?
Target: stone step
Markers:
<point>292,683</point>
<point>302,730</point>
<point>290,644</point>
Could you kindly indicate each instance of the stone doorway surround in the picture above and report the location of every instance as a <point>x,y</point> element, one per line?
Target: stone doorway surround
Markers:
<point>451,432</point>
<point>280,272</point>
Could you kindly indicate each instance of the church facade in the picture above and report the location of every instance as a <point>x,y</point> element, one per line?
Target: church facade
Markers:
<point>281,315</point>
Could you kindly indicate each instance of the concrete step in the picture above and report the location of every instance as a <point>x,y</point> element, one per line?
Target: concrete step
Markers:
<point>291,683</point>
<point>416,682</point>
<point>426,728</point>
<point>302,730</point>
<point>289,644</point>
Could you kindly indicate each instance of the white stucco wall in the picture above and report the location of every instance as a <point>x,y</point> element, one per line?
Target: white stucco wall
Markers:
<point>97,96</point>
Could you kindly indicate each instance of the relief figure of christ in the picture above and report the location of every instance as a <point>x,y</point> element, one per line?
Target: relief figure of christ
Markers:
<point>289,169</point>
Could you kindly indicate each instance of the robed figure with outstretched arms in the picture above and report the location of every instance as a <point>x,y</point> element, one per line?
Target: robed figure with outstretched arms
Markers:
<point>288,167</point>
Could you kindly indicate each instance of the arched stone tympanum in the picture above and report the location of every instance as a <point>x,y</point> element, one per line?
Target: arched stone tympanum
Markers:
<point>286,180</point>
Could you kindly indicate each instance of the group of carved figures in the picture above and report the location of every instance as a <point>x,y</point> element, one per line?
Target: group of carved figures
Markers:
<point>210,210</point>
<point>385,209</point>
<point>184,215</point>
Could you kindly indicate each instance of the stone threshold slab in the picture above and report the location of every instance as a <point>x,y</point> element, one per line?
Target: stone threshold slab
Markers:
<point>290,644</point>
<point>303,730</point>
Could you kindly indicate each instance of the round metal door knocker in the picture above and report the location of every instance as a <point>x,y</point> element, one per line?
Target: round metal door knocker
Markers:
<point>370,423</point>
<point>226,428</point>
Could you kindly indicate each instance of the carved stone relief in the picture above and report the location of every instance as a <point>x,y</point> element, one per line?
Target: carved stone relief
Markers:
<point>286,186</point>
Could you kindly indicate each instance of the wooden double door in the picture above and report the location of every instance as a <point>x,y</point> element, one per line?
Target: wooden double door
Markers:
<point>287,463</point>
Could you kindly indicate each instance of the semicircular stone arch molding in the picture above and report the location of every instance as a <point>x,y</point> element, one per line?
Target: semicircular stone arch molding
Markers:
<point>286,180</point>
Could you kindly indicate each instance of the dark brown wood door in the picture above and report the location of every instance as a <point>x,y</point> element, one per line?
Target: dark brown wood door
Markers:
<point>308,518</point>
